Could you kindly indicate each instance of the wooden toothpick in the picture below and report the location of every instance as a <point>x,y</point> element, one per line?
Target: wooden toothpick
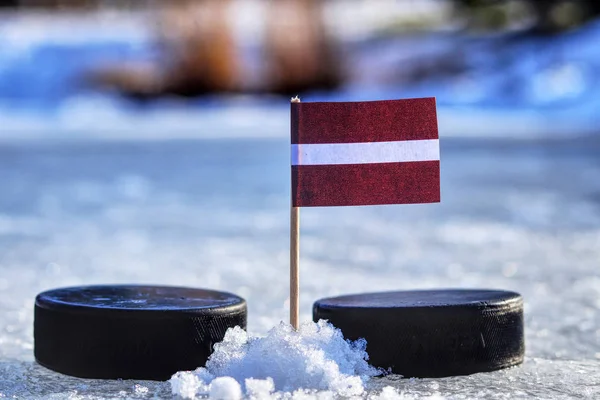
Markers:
<point>294,259</point>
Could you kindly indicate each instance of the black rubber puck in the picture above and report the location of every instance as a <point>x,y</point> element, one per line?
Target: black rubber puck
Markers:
<point>131,332</point>
<point>432,333</point>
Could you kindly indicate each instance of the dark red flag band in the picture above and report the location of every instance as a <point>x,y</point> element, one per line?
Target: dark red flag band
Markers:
<point>365,184</point>
<point>364,121</point>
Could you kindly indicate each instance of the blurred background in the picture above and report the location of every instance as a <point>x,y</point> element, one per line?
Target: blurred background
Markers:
<point>527,66</point>
<point>148,142</point>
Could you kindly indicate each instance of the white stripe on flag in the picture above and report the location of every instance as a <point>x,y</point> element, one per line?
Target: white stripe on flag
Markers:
<point>366,153</point>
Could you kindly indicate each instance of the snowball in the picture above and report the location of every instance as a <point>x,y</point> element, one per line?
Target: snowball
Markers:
<point>260,388</point>
<point>316,357</point>
<point>225,388</point>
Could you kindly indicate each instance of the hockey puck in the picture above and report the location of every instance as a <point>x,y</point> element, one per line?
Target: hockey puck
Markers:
<point>131,332</point>
<point>432,333</point>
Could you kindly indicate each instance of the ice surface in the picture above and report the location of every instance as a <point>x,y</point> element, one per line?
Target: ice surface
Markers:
<point>215,214</point>
<point>316,357</point>
<point>94,191</point>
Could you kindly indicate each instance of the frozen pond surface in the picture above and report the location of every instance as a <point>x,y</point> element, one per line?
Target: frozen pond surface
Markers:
<point>94,190</point>
<point>516,215</point>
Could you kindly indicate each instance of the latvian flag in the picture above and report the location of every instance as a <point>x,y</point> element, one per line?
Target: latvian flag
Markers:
<point>365,153</point>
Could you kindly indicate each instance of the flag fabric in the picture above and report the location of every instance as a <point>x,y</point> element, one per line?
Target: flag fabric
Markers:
<point>365,153</point>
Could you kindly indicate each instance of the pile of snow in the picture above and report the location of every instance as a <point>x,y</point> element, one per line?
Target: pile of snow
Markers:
<point>285,362</point>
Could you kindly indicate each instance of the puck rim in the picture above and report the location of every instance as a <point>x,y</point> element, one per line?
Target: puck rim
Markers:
<point>512,299</point>
<point>47,301</point>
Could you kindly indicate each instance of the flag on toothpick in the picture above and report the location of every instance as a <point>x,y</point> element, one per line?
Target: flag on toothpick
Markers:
<point>365,153</point>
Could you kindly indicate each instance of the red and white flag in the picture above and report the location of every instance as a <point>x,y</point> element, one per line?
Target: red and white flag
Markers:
<point>365,153</point>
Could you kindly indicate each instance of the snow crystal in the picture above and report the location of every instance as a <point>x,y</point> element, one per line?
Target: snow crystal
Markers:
<point>186,385</point>
<point>140,390</point>
<point>387,393</point>
<point>316,357</point>
<point>390,393</point>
